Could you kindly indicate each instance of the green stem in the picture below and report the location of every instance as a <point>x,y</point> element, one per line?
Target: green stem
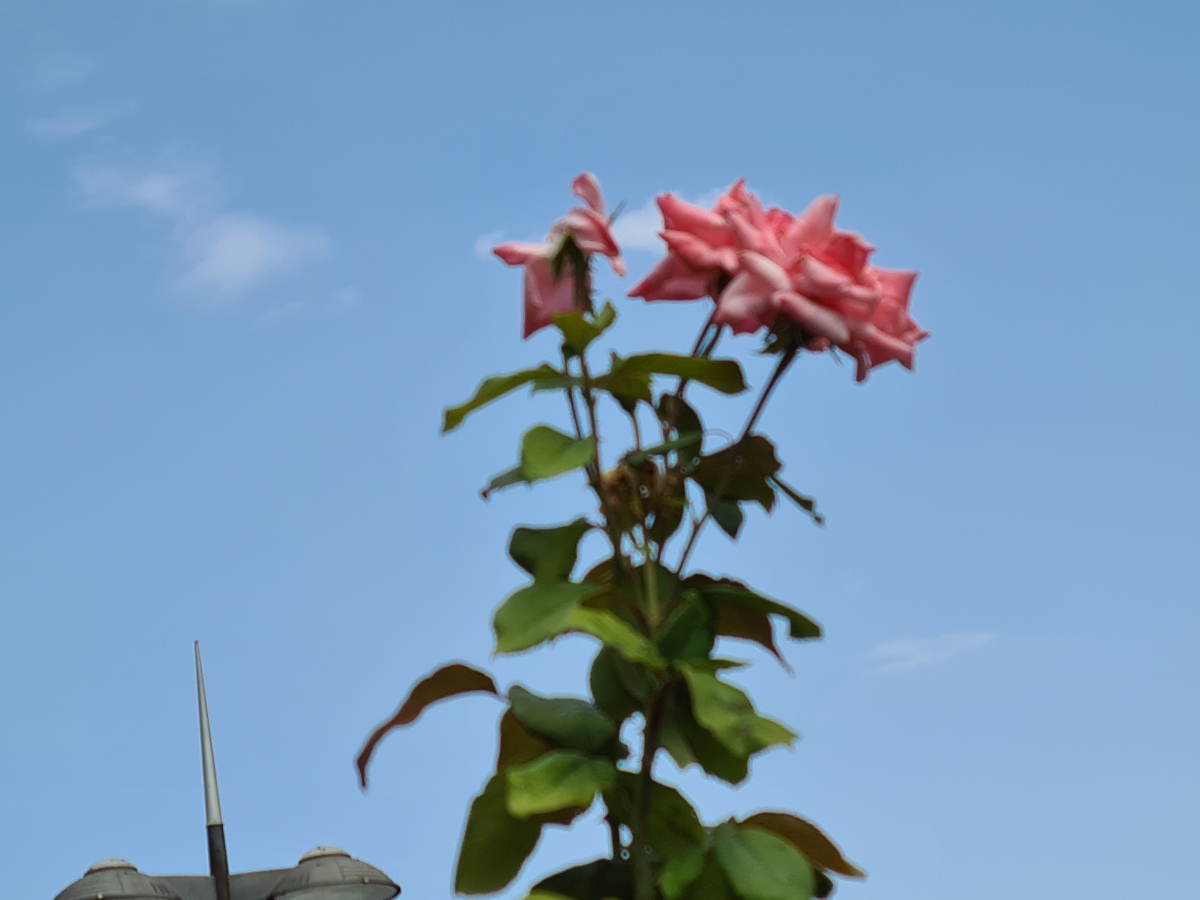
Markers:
<point>595,476</point>
<point>650,576</point>
<point>614,836</point>
<point>637,429</point>
<point>643,876</point>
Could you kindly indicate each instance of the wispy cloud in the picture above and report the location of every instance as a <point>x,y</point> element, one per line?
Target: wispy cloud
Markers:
<point>637,229</point>
<point>485,242</point>
<point>346,298</point>
<point>73,123</point>
<point>912,653</point>
<point>232,254</point>
<point>58,71</point>
<point>224,254</point>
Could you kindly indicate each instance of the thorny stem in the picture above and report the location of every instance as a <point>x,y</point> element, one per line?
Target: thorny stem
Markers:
<point>785,360</point>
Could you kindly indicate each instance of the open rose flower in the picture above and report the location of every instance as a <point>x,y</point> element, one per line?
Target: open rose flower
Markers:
<point>760,264</point>
<point>544,295</point>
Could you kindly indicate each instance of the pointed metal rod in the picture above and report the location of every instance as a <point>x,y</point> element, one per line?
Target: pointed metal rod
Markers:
<point>218,859</point>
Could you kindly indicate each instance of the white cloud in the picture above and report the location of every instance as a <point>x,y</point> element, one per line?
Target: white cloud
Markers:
<point>224,254</point>
<point>347,298</point>
<point>58,71</point>
<point>485,242</point>
<point>235,253</point>
<point>637,229</point>
<point>180,193</point>
<point>911,653</point>
<point>72,123</point>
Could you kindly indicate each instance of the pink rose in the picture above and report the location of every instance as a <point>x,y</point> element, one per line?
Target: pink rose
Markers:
<point>544,295</point>
<point>760,264</point>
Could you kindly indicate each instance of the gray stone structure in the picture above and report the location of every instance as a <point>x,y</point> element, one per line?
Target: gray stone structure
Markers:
<point>323,873</point>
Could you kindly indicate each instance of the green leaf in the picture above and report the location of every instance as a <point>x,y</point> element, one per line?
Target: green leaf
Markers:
<point>618,688</point>
<point>727,713</point>
<point>823,885</point>
<point>495,843</point>
<point>748,625</point>
<point>680,871</point>
<point>761,865</point>
<point>627,386</point>
<point>597,880</point>
<point>722,375</point>
<point>674,825</point>
<point>579,331</point>
<point>740,472</point>
<point>548,554</point>
<point>537,613</point>
<point>690,744</point>
<point>615,632</point>
<point>548,453</point>
<point>495,387</point>
<point>565,722</point>
<point>726,513</point>
<point>545,453</point>
<point>450,680</point>
<point>503,480</point>
<point>808,504</point>
<point>518,745</point>
<point>726,592</point>
<point>712,666</point>
<point>808,839</point>
<point>711,883</point>
<point>689,632</point>
<point>678,416</point>
<point>630,378</point>
<point>562,779</point>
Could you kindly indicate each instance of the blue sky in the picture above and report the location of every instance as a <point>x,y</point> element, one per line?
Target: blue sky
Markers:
<point>239,278</point>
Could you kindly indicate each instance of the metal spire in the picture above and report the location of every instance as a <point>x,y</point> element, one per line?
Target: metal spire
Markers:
<point>218,860</point>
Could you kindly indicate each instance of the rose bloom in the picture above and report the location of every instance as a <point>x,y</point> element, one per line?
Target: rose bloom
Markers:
<point>544,296</point>
<point>760,264</point>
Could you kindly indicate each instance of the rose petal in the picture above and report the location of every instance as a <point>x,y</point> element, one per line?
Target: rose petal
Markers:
<point>518,254</point>
<point>745,304</point>
<point>699,255</point>
<point>672,279</point>
<point>815,279</point>
<point>707,226</point>
<point>813,227</point>
<point>816,320</point>
<point>770,273</point>
<point>848,252</point>
<point>587,188</point>
<point>894,285</point>
<point>545,297</point>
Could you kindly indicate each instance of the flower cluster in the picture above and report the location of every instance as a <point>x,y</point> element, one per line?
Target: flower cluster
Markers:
<point>764,268</point>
